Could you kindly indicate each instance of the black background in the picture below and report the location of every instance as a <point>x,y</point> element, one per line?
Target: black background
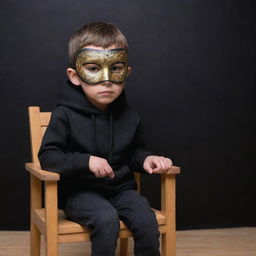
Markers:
<point>193,83</point>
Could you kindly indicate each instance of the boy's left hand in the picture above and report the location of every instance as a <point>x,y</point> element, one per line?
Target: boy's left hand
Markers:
<point>157,164</point>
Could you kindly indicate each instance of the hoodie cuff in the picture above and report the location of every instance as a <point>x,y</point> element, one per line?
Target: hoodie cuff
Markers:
<point>81,161</point>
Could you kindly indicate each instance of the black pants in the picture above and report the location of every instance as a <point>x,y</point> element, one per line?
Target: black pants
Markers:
<point>101,214</point>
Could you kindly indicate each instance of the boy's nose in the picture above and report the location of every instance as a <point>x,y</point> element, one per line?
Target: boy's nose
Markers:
<point>106,83</point>
<point>105,74</point>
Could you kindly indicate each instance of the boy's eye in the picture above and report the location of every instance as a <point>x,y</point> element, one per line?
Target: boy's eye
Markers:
<point>117,67</point>
<point>92,67</point>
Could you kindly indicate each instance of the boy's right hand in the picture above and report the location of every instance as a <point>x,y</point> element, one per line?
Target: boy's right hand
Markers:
<point>100,167</point>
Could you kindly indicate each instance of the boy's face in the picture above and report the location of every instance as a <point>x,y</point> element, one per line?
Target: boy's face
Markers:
<point>102,75</point>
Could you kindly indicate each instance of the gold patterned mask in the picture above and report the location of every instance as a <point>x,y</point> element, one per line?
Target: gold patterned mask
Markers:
<point>96,66</point>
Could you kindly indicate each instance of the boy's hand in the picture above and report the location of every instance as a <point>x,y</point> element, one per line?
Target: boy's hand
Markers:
<point>157,164</point>
<point>100,167</point>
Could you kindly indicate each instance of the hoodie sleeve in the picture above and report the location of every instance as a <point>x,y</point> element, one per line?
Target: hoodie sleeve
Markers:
<point>53,155</point>
<point>139,153</point>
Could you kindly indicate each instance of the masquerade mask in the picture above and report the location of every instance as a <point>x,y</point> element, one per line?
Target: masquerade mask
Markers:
<point>96,66</point>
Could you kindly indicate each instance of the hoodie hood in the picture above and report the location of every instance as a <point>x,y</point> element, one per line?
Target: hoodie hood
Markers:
<point>73,97</point>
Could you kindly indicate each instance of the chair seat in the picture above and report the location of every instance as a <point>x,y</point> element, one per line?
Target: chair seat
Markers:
<point>66,226</point>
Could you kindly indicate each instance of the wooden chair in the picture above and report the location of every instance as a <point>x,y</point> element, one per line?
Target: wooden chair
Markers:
<point>52,223</point>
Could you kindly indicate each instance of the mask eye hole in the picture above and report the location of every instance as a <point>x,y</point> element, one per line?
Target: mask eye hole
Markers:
<point>91,67</point>
<point>117,67</point>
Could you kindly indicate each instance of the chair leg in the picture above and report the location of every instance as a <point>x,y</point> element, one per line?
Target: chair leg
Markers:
<point>51,217</point>
<point>168,244</point>
<point>168,206</point>
<point>51,247</point>
<point>35,240</point>
<point>123,246</point>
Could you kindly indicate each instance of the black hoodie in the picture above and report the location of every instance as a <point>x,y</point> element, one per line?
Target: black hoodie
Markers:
<point>78,129</point>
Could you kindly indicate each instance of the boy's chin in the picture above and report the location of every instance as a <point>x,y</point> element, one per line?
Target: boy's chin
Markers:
<point>106,101</point>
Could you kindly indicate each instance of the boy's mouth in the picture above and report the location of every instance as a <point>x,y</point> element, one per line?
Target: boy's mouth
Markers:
<point>106,92</point>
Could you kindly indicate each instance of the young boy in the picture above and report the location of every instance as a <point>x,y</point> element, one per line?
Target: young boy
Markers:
<point>94,142</point>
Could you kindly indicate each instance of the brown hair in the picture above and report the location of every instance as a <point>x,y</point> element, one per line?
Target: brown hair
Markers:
<point>95,33</point>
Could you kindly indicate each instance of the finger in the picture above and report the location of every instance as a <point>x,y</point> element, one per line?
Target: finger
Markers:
<point>167,164</point>
<point>158,165</point>
<point>148,168</point>
<point>164,163</point>
<point>108,168</point>
<point>102,172</point>
<point>97,173</point>
<point>112,175</point>
<point>109,171</point>
<point>170,161</point>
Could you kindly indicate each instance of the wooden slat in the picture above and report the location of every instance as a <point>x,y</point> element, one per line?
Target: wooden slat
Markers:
<point>38,124</point>
<point>81,237</point>
<point>75,237</point>
<point>66,226</point>
<point>45,118</point>
<point>39,220</point>
<point>43,129</point>
<point>35,132</point>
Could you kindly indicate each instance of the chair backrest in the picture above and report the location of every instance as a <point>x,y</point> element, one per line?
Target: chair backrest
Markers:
<point>38,124</point>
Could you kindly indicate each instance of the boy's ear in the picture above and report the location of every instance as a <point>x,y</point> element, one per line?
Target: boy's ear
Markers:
<point>129,70</point>
<point>73,77</point>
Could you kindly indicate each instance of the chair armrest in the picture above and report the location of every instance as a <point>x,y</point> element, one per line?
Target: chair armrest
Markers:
<point>173,170</point>
<point>43,175</point>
